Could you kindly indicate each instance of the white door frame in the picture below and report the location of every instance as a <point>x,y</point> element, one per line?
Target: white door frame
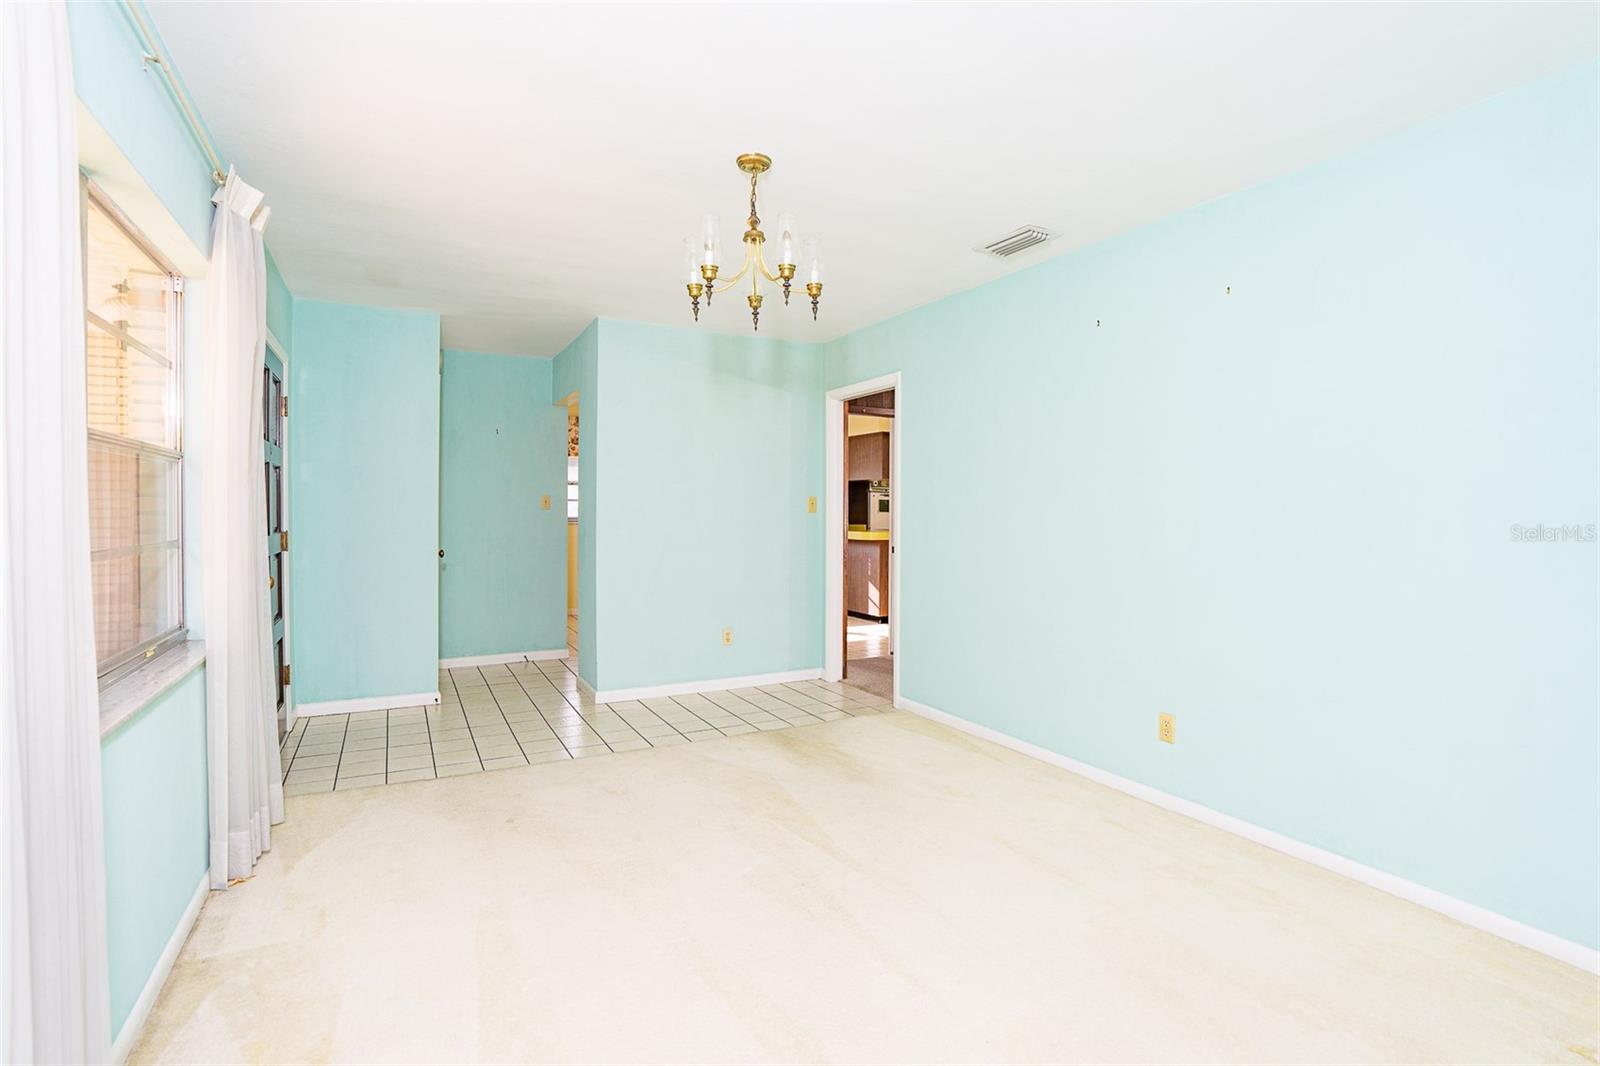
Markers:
<point>277,349</point>
<point>835,519</point>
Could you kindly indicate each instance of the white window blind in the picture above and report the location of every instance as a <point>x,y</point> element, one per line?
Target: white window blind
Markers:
<point>133,304</point>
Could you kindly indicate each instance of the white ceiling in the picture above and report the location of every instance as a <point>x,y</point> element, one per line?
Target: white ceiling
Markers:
<point>522,169</point>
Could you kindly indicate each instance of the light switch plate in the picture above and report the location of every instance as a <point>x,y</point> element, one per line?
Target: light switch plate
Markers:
<point>544,502</point>
<point>811,505</point>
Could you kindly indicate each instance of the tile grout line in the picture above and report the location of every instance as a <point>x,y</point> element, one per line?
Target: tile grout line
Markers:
<point>618,714</point>
<point>550,725</point>
<point>577,709</point>
<point>698,718</point>
<point>612,710</point>
<point>478,754</point>
<point>518,740</point>
<point>823,702</point>
<point>466,723</point>
<point>433,756</point>
<point>559,738</point>
<point>757,709</point>
<point>284,773</point>
<point>666,723</point>
<point>736,714</point>
<point>339,763</point>
<point>791,695</point>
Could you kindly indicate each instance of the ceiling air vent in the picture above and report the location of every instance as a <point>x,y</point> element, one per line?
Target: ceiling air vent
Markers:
<point>1019,240</point>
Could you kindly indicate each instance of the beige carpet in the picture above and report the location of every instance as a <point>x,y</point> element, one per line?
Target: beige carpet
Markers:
<point>877,889</point>
<point>874,675</point>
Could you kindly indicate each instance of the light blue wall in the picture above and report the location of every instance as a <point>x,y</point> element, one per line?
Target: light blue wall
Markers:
<point>712,445</point>
<point>153,776</point>
<point>1283,514</point>
<point>577,369</point>
<point>364,481</point>
<point>503,445</point>
<point>134,108</point>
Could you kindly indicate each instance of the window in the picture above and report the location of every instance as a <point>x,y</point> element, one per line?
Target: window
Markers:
<point>572,488</point>
<point>133,304</point>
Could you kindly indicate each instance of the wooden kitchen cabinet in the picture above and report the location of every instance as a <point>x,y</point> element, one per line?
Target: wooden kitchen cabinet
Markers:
<point>866,577</point>
<point>869,458</point>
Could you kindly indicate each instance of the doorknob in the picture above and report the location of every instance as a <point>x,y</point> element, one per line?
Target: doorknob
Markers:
<point>441,553</point>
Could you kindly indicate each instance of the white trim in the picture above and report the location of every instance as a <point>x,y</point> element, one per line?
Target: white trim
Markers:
<point>507,657</point>
<point>102,160</point>
<point>366,703</point>
<point>127,697</point>
<point>834,522</point>
<point>1585,958</point>
<point>133,1024</point>
<point>644,692</point>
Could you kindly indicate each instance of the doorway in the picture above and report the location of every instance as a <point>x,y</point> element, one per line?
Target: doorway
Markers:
<point>863,535</point>
<point>572,528</point>
<point>274,406</point>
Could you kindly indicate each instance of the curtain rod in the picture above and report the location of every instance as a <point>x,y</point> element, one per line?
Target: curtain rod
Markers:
<point>153,56</point>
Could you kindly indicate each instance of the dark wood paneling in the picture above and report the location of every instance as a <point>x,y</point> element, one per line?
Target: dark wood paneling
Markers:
<point>869,457</point>
<point>879,403</point>
<point>866,577</point>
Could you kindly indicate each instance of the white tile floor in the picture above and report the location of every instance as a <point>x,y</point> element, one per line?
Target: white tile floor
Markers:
<point>866,640</point>
<point>494,717</point>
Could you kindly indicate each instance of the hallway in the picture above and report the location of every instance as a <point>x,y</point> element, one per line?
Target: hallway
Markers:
<point>870,666</point>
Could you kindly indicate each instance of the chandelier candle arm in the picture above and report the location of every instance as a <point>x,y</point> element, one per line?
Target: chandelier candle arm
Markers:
<point>702,259</point>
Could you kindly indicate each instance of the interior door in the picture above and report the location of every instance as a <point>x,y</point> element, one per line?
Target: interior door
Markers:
<point>272,412</point>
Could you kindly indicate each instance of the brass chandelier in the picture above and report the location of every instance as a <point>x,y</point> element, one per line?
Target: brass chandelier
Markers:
<point>700,258</point>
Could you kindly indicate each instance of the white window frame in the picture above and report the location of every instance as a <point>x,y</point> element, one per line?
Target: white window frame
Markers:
<point>124,662</point>
<point>573,502</point>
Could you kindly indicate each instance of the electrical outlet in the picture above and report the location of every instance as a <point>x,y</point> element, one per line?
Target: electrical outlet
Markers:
<point>811,505</point>
<point>1166,729</point>
<point>727,636</point>
<point>544,502</point>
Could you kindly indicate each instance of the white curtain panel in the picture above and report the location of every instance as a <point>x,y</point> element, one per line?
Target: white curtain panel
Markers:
<point>241,702</point>
<point>53,1007</point>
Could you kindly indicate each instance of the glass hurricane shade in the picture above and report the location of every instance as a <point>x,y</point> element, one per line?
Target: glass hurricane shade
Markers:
<point>813,259</point>
<point>710,241</point>
<point>691,261</point>
<point>786,240</point>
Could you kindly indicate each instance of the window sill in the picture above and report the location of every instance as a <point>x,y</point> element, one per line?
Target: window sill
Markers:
<point>133,692</point>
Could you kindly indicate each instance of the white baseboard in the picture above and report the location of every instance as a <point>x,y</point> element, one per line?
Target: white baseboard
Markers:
<point>365,703</point>
<point>133,1025</point>
<point>1556,947</point>
<point>506,657</point>
<point>617,695</point>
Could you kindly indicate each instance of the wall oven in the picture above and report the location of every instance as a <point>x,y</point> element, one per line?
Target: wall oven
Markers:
<point>880,512</point>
